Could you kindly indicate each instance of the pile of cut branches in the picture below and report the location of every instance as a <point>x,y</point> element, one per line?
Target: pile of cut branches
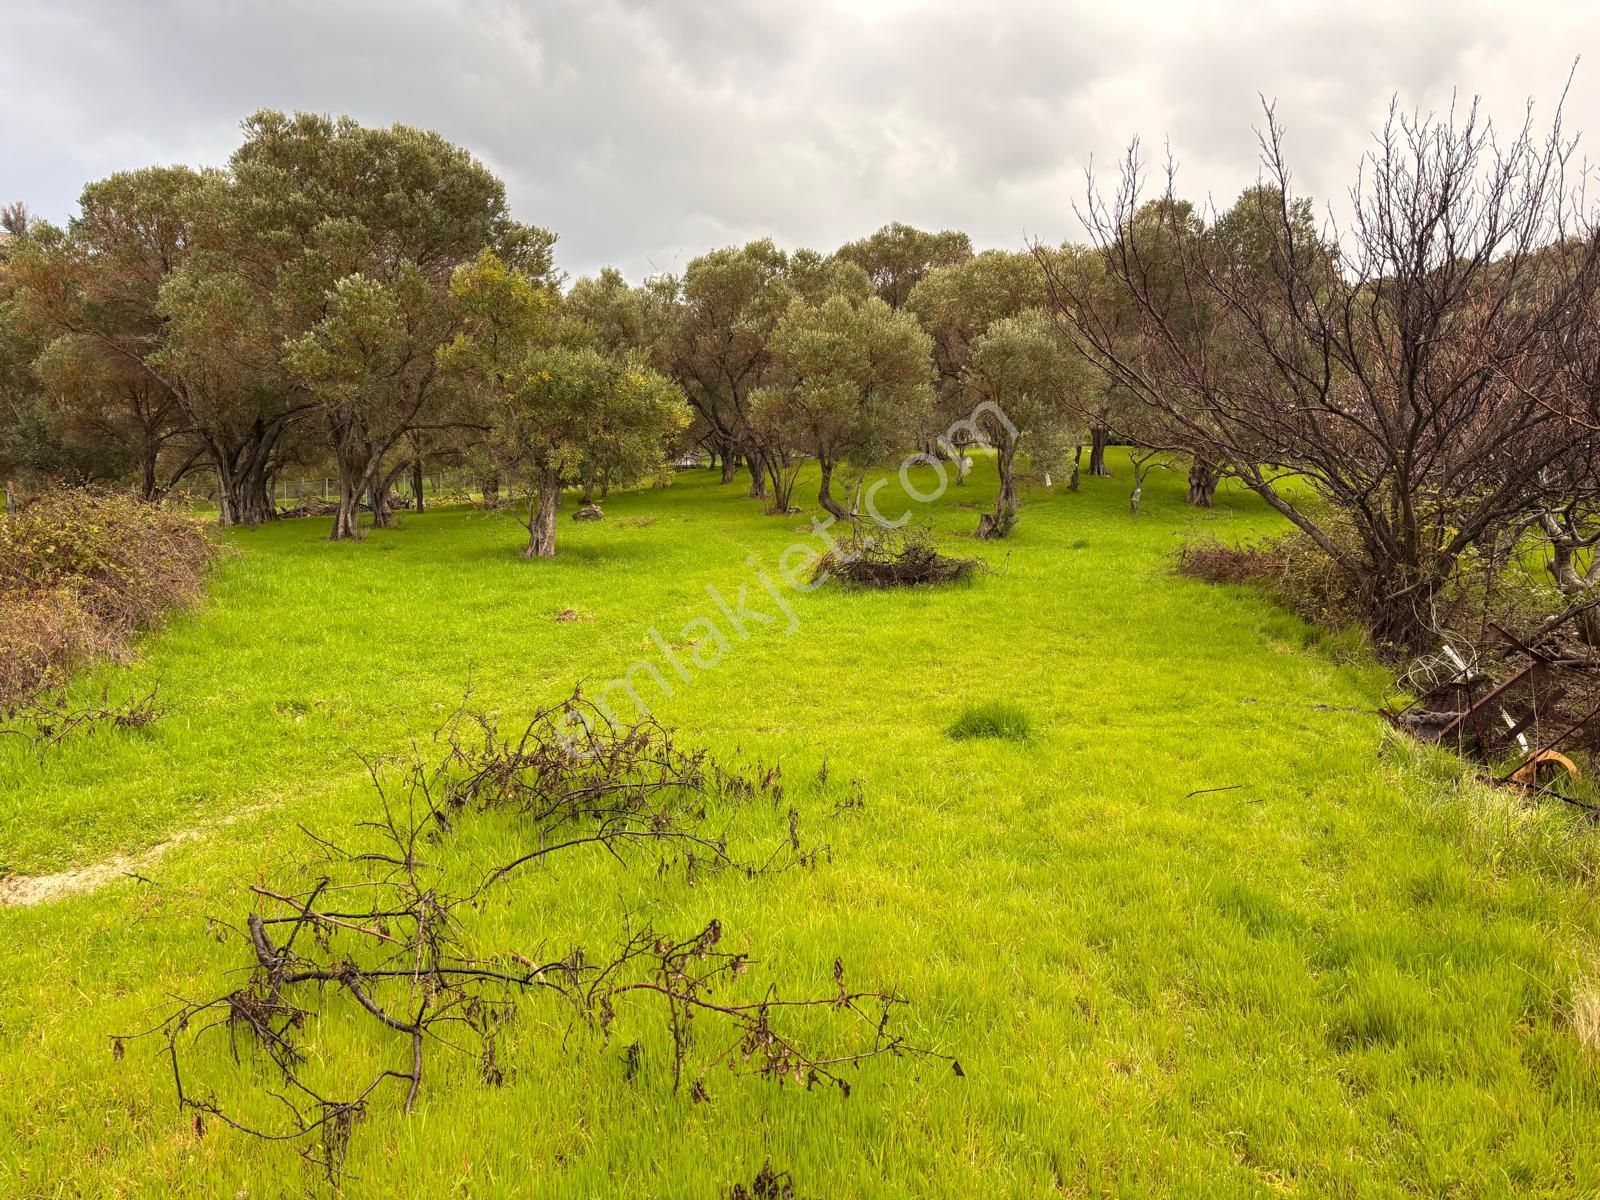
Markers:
<point>384,937</point>
<point>310,506</point>
<point>884,557</point>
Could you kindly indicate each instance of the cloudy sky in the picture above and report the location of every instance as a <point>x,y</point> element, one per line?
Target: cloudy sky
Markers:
<point>643,133</point>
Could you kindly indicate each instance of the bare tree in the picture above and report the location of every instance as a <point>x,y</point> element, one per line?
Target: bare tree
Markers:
<point>1416,370</point>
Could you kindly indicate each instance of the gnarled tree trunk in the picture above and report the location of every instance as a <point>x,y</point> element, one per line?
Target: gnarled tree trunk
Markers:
<point>542,518</point>
<point>247,492</point>
<point>1098,437</point>
<point>346,518</point>
<point>758,476</point>
<point>1567,542</point>
<point>382,511</point>
<point>997,524</point>
<point>825,492</point>
<point>1202,483</point>
<point>380,494</point>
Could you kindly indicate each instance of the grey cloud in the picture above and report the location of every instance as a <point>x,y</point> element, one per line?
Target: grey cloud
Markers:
<point>643,133</point>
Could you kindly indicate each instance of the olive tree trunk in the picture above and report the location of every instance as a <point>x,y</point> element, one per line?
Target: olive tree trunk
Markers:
<point>997,524</point>
<point>379,497</point>
<point>782,481</point>
<point>1098,437</point>
<point>542,518</point>
<point>756,463</point>
<point>1202,483</point>
<point>825,492</point>
<point>346,518</point>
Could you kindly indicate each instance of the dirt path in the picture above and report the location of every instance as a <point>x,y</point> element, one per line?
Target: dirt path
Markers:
<point>23,890</point>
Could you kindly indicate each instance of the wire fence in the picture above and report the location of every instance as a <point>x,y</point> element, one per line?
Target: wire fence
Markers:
<point>453,486</point>
<point>437,487</point>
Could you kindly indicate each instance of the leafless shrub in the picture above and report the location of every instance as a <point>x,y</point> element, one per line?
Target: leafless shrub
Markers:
<point>47,721</point>
<point>1290,568</point>
<point>1215,561</point>
<point>388,927</point>
<point>41,633</point>
<point>767,1185</point>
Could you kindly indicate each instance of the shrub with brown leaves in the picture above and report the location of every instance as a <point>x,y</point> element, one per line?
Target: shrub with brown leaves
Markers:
<point>1300,576</point>
<point>1289,566</point>
<point>80,573</point>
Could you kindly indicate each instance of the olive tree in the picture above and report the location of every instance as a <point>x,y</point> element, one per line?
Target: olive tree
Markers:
<point>569,408</point>
<point>957,304</point>
<point>112,419</point>
<point>119,296</point>
<point>350,236</point>
<point>558,411</point>
<point>371,364</point>
<point>852,382</point>
<point>897,256</point>
<point>711,330</point>
<point>1025,381</point>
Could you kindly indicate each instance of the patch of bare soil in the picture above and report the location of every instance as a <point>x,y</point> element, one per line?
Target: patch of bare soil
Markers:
<point>24,890</point>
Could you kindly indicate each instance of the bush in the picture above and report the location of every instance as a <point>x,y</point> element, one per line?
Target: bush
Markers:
<point>80,573</point>
<point>995,719</point>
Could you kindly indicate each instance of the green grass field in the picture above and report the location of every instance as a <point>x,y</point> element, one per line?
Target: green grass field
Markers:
<point>1352,974</point>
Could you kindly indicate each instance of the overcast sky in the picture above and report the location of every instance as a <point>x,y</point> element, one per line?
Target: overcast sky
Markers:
<point>645,133</point>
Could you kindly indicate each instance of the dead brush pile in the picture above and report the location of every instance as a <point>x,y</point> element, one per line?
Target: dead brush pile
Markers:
<point>80,573</point>
<point>881,557</point>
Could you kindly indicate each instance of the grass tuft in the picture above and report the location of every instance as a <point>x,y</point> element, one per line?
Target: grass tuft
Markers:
<point>994,719</point>
<point>1586,1017</point>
